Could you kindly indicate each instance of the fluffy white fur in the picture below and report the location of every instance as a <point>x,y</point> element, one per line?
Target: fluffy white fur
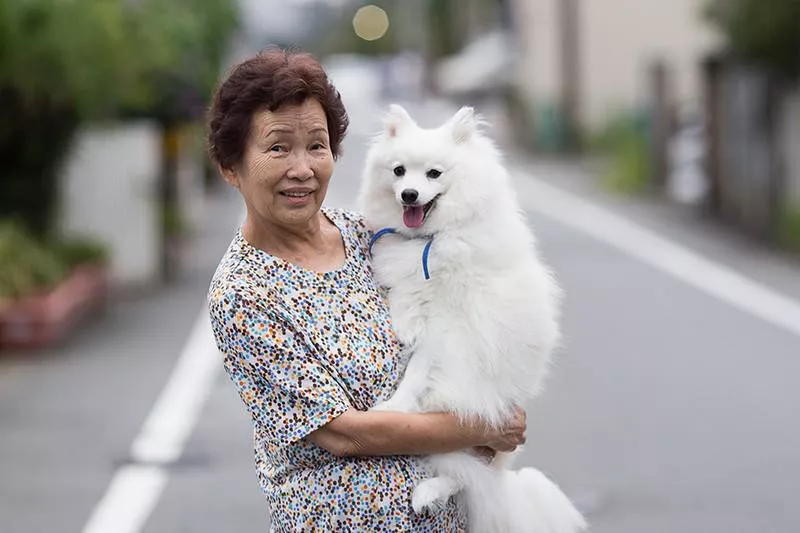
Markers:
<point>483,327</point>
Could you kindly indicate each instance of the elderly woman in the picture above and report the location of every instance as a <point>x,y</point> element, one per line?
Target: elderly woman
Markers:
<point>305,332</point>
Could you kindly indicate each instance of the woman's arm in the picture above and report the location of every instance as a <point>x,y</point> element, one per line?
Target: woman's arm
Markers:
<point>357,433</point>
<point>302,396</point>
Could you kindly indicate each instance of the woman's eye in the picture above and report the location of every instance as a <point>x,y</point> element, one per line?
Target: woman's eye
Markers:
<point>433,173</point>
<point>399,170</point>
<point>317,146</point>
<point>277,148</point>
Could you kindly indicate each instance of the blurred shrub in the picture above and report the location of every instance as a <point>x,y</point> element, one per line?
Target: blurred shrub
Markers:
<point>624,141</point>
<point>65,61</point>
<point>75,252</point>
<point>28,264</point>
<point>25,264</point>
<point>766,32</point>
<point>789,227</point>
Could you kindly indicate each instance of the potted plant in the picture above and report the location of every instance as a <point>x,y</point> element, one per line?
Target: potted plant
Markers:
<point>46,290</point>
<point>87,261</point>
<point>28,272</point>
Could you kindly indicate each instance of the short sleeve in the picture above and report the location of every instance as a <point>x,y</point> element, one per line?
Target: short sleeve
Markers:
<point>286,388</point>
<point>357,225</point>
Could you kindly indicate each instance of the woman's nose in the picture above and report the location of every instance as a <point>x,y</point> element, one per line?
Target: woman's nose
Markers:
<point>300,167</point>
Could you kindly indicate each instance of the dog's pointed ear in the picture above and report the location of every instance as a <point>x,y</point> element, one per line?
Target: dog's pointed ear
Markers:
<point>463,124</point>
<point>396,120</point>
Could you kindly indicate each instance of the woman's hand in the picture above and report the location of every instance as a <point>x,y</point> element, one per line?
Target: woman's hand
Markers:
<point>485,452</point>
<point>507,437</point>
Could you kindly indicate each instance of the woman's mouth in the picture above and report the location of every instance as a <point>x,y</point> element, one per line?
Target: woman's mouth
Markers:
<point>296,197</point>
<point>414,215</point>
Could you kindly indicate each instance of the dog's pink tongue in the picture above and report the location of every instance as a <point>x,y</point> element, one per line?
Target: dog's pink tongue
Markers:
<point>413,216</point>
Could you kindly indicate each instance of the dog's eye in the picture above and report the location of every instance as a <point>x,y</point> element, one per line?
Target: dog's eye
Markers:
<point>399,170</point>
<point>433,173</point>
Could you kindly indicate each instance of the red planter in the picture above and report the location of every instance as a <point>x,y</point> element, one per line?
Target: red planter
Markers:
<point>43,319</point>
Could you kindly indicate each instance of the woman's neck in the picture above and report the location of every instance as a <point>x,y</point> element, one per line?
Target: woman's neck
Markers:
<point>316,245</point>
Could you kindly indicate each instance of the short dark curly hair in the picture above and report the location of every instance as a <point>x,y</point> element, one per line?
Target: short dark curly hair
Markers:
<point>274,77</point>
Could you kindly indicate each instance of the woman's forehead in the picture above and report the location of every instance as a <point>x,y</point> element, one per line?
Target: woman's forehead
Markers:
<point>308,116</point>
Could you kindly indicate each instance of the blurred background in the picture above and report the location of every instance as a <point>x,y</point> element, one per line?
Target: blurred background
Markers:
<point>674,407</point>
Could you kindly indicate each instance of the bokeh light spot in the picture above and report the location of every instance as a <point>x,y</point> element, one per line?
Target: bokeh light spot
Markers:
<point>371,23</point>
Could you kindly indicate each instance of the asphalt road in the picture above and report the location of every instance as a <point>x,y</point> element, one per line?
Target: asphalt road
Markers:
<point>673,408</point>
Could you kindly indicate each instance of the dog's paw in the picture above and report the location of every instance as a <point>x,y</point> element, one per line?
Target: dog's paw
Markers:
<point>432,494</point>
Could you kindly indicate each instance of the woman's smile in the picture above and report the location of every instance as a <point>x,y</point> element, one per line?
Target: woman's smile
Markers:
<point>297,196</point>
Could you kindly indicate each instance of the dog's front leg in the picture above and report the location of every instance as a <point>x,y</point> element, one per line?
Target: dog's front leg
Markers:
<point>411,387</point>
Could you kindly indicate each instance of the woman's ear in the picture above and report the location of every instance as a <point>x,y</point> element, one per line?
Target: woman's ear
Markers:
<point>230,176</point>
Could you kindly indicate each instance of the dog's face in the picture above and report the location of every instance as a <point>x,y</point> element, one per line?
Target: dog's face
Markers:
<point>416,179</point>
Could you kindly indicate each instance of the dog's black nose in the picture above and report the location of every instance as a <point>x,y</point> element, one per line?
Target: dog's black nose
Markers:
<point>409,196</point>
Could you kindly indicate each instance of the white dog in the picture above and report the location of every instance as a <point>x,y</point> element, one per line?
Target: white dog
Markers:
<point>470,298</point>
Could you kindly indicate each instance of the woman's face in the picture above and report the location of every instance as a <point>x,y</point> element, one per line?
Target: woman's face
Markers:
<point>287,164</point>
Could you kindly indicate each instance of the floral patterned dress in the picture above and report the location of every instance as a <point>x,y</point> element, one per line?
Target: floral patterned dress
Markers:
<point>301,347</point>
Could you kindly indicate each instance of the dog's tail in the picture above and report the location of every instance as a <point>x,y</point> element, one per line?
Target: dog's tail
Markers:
<point>481,492</point>
<point>518,501</point>
<point>536,505</point>
<point>487,508</point>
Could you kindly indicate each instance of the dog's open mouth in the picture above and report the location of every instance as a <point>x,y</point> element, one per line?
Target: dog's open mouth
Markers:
<point>414,215</point>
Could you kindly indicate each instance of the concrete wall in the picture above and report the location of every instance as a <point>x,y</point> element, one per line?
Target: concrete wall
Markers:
<point>109,192</point>
<point>619,38</point>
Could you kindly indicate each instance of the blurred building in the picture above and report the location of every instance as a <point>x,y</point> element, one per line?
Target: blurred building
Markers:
<point>597,55</point>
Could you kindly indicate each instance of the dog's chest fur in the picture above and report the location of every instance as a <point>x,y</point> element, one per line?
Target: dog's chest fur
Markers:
<point>484,323</point>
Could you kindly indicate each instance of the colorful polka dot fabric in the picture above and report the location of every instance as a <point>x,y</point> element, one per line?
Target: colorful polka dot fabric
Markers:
<point>301,347</point>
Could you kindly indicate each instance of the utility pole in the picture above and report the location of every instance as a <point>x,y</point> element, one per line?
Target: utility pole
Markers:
<point>569,19</point>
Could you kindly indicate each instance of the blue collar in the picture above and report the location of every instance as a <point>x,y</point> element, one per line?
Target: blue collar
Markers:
<point>425,251</point>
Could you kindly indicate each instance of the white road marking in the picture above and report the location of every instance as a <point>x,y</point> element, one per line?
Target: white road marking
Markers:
<point>169,425</point>
<point>647,246</point>
<point>137,487</point>
<point>129,500</point>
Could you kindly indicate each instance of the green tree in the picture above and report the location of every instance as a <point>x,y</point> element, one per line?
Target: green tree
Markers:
<point>66,61</point>
<point>765,32</point>
<point>60,60</point>
<point>188,40</point>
